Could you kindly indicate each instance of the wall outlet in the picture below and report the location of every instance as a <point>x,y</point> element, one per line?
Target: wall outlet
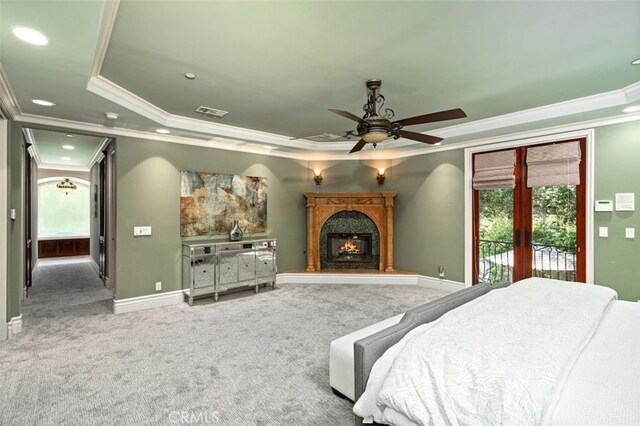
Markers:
<point>630,232</point>
<point>603,232</point>
<point>441,271</point>
<point>159,286</point>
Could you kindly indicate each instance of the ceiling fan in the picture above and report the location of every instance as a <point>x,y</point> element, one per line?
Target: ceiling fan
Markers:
<point>375,127</point>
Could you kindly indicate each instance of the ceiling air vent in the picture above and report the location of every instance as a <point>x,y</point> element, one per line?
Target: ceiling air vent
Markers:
<point>212,111</point>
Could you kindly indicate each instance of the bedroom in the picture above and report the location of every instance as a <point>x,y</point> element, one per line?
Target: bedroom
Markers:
<point>430,203</point>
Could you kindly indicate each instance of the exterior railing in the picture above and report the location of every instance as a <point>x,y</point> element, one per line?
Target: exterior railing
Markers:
<point>496,260</point>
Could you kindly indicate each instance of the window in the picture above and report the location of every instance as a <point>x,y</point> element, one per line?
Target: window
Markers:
<point>60,214</point>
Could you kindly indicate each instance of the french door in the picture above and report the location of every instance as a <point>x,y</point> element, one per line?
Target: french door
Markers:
<point>532,223</point>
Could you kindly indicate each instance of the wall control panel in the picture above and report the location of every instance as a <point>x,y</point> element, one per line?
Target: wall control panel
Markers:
<point>141,231</point>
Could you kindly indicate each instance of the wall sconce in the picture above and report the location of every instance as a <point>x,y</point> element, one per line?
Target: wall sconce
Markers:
<point>380,177</point>
<point>317,178</point>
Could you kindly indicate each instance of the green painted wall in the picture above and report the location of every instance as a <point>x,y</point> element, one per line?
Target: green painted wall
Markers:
<point>617,153</point>
<point>429,214</point>
<point>148,193</point>
<point>428,220</point>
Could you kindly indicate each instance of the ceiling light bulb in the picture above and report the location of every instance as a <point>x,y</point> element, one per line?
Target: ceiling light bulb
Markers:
<point>68,147</point>
<point>317,172</point>
<point>163,131</point>
<point>635,62</point>
<point>30,36</point>
<point>632,109</point>
<point>42,102</point>
<point>374,136</point>
<point>381,170</point>
<point>190,75</point>
<point>111,115</point>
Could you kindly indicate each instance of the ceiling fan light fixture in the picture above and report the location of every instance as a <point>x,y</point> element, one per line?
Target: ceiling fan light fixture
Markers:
<point>375,136</point>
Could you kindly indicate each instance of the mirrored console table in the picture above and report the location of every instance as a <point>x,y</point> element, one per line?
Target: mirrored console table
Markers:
<point>213,268</point>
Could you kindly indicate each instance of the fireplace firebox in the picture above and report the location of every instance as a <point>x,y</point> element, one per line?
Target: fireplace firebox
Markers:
<point>349,247</point>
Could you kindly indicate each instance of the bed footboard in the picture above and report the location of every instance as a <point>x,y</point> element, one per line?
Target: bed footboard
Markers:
<point>369,349</point>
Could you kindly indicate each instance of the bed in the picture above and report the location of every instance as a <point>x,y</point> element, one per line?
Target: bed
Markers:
<point>537,352</point>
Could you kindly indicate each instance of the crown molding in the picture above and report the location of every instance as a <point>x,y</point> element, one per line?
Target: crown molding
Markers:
<point>33,148</point>
<point>8,102</point>
<point>109,13</point>
<point>370,154</point>
<point>98,154</point>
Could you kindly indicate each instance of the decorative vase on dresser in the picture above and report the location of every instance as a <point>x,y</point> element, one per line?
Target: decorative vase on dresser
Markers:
<point>235,233</point>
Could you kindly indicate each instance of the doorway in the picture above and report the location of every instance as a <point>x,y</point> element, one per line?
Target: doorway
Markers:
<point>532,219</point>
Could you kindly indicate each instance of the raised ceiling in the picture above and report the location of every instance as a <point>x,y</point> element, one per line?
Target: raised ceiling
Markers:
<point>278,66</point>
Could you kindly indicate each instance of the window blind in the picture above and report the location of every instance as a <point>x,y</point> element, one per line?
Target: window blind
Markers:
<point>494,170</point>
<point>557,164</point>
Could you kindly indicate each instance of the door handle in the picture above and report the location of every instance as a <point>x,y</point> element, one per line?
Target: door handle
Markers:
<point>527,238</point>
<point>516,238</point>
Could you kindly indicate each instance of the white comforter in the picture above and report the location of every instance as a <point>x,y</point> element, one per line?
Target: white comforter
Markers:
<point>499,359</point>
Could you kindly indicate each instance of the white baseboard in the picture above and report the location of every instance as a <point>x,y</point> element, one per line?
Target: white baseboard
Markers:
<point>14,326</point>
<point>385,279</point>
<point>337,278</point>
<point>147,302</point>
<point>95,265</point>
<point>439,283</point>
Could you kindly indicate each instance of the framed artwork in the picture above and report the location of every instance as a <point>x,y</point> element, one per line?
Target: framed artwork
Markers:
<point>210,202</point>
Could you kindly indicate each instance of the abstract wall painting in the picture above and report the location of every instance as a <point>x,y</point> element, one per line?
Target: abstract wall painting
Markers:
<point>209,203</point>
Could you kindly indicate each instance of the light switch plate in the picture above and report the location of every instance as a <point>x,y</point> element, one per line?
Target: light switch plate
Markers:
<point>603,232</point>
<point>139,231</point>
<point>630,232</point>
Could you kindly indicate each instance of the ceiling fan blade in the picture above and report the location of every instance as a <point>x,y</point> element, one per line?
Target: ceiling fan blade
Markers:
<point>434,116</point>
<point>347,114</point>
<point>357,147</point>
<point>419,137</point>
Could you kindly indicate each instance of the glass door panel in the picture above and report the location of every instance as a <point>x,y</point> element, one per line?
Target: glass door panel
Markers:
<point>495,235</point>
<point>554,244</point>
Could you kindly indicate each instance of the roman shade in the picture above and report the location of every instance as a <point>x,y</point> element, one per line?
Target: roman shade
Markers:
<point>557,164</point>
<point>494,170</point>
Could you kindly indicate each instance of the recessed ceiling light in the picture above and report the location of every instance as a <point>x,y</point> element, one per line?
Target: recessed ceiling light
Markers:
<point>635,62</point>
<point>111,115</point>
<point>30,36</point>
<point>42,102</point>
<point>68,147</point>
<point>190,75</point>
<point>163,131</point>
<point>66,158</point>
<point>632,109</point>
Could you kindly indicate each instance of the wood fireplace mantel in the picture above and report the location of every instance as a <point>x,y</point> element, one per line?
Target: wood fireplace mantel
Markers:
<point>378,206</point>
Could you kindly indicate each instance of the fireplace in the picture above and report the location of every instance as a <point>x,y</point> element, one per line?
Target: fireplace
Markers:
<point>349,248</point>
<point>333,217</point>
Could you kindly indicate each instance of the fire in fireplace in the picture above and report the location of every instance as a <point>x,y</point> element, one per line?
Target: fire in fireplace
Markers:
<point>352,247</point>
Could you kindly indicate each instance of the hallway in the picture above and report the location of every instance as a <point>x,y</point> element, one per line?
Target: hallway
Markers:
<point>64,290</point>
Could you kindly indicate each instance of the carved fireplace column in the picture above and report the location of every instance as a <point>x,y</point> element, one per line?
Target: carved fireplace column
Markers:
<point>388,205</point>
<point>311,234</point>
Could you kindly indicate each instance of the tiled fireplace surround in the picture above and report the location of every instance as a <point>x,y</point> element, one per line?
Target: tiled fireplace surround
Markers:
<point>339,210</point>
